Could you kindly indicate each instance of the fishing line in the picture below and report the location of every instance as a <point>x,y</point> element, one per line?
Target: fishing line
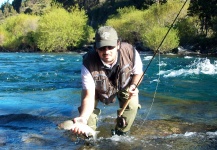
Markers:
<point>155,92</point>
<point>158,50</point>
<point>121,121</point>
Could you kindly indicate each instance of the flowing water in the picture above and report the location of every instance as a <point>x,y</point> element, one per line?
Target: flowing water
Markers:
<point>38,91</point>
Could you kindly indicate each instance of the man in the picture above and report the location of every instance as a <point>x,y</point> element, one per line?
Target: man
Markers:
<point>112,69</point>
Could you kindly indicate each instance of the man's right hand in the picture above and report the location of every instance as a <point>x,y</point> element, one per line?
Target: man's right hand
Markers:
<point>79,120</point>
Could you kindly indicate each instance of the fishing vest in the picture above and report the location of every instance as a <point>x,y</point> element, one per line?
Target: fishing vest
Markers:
<point>108,81</point>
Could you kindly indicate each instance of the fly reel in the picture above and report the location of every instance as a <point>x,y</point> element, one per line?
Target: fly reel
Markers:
<point>121,121</point>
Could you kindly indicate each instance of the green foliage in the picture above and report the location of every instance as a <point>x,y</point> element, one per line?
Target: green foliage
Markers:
<point>7,10</point>
<point>214,22</point>
<point>89,35</point>
<point>149,25</point>
<point>205,10</point>
<point>188,29</point>
<point>154,38</point>
<point>60,29</point>
<point>4,35</point>
<point>35,7</point>
<point>51,34</point>
<point>134,21</point>
<point>165,14</point>
<point>128,23</point>
<point>8,40</point>
<point>16,29</point>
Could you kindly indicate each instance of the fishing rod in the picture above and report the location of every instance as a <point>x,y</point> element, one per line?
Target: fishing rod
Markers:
<point>121,121</point>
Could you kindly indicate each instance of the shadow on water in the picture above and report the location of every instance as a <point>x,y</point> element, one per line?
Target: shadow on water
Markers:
<point>5,119</point>
<point>25,130</point>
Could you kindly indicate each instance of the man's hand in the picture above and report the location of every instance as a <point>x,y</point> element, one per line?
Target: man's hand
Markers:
<point>79,130</point>
<point>133,90</point>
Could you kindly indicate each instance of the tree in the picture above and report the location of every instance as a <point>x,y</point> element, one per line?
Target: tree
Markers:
<point>206,11</point>
<point>153,39</point>
<point>129,23</point>
<point>35,7</point>
<point>17,28</point>
<point>188,30</point>
<point>204,14</point>
<point>149,26</point>
<point>8,10</point>
<point>4,35</point>
<point>16,5</point>
<point>59,29</point>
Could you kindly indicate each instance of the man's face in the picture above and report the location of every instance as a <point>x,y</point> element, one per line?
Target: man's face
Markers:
<point>108,53</point>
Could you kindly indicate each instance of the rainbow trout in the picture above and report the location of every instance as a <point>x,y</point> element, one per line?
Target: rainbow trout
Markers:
<point>70,125</point>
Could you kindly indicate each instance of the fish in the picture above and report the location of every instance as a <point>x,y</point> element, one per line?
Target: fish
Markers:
<point>70,125</point>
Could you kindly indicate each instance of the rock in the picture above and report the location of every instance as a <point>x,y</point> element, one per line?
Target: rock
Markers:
<point>183,51</point>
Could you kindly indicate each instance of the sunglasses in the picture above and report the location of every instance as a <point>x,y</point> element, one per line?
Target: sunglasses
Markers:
<point>106,48</point>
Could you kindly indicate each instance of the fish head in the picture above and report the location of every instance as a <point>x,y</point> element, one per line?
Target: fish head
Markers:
<point>66,125</point>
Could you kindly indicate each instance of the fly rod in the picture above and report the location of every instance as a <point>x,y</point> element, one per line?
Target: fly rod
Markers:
<point>121,122</point>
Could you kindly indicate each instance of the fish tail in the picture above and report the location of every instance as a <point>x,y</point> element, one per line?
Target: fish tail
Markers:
<point>95,135</point>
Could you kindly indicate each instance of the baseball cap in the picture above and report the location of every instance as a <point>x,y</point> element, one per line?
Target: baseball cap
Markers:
<point>106,36</point>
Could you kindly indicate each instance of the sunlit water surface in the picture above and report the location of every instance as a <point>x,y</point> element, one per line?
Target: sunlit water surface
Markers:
<point>38,91</point>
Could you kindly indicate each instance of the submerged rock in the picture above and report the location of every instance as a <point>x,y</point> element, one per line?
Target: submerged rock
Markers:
<point>168,127</point>
<point>156,127</point>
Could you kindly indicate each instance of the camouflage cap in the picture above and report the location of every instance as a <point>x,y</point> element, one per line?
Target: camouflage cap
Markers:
<point>106,36</point>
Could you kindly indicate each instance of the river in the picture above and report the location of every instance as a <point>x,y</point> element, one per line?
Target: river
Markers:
<point>178,98</point>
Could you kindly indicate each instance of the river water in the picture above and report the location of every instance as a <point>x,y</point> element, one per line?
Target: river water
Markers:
<point>38,91</point>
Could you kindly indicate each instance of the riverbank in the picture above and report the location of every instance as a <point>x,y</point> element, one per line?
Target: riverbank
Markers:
<point>178,51</point>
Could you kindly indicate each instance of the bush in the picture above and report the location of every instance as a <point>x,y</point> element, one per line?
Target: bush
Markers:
<point>188,30</point>
<point>60,29</point>
<point>149,26</point>
<point>16,28</point>
<point>128,23</point>
<point>154,38</point>
<point>4,35</point>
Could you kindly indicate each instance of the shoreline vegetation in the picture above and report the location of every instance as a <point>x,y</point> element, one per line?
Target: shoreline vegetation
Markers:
<point>69,26</point>
<point>179,51</point>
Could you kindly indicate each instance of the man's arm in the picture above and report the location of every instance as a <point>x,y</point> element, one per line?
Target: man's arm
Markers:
<point>87,99</point>
<point>87,103</point>
<point>137,74</point>
<point>87,93</point>
<point>137,70</point>
<point>137,79</point>
<point>87,106</point>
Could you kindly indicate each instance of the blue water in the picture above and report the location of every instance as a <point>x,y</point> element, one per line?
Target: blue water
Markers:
<point>38,91</point>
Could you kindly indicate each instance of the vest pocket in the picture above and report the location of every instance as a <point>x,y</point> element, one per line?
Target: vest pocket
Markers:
<point>101,84</point>
<point>105,92</point>
<point>125,76</point>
